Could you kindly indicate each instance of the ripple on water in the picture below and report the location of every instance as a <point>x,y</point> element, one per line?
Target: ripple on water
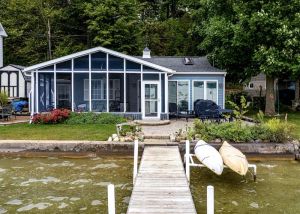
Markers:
<point>74,199</point>
<point>14,202</point>
<point>62,205</point>
<point>235,203</point>
<point>254,205</point>
<point>40,206</point>
<point>43,180</point>
<point>2,210</point>
<point>64,163</point>
<point>81,181</point>
<point>104,184</point>
<point>53,198</point>
<point>96,202</point>
<point>267,165</point>
<point>105,166</point>
<point>2,170</point>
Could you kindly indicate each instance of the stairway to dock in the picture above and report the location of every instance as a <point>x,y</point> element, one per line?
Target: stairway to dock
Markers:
<point>161,185</point>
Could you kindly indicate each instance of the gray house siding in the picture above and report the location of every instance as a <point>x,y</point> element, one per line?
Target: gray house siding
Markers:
<point>191,77</point>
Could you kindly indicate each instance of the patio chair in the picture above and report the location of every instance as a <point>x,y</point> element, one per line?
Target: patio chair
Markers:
<point>180,111</point>
<point>6,113</point>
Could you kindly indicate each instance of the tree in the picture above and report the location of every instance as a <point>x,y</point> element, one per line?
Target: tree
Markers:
<point>249,37</point>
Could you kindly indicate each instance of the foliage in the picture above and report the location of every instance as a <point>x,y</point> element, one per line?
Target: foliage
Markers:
<point>250,37</point>
<point>273,131</point>
<point>132,129</point>
<point>3,99</point>
<point>94,118</point>
<point>260,116</point>
<point>240,110</point>
<point>54,117</point>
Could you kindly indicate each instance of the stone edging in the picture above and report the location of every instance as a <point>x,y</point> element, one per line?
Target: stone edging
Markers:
<point>121,147</point>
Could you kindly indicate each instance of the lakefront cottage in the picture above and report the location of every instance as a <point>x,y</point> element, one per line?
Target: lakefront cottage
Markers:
<point>103,80</point>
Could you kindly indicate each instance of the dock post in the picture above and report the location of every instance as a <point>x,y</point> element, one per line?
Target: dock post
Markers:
<point>210,200</point>
<point>135,159</point>
<point>187,159</point>
<point>111,199</point>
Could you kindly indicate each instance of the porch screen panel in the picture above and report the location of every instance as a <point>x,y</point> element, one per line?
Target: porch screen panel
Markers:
<point>4,82</point>
<point>64,66</point>
<point>133,92</point>
<point>115,63</point>
<point>98,61</point>
<point>212,91</point>
<point>198,89</point>
<point>63,90</point>
<point>81,63</point>
<point>98,92</point>
<point>183,95</point>
<point>172,96</point>
<point>81,92</point>
<point>116,95</point>
<point>151,77</point>
<point>132,66</point>
<point>46,92</point>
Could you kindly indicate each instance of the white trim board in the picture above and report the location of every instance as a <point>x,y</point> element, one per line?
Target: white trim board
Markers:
<point>94,50</point>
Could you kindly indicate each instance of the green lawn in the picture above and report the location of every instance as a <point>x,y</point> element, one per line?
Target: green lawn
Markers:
<point>57,132</point>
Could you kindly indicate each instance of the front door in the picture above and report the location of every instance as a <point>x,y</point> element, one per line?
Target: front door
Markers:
<point>151,100</point>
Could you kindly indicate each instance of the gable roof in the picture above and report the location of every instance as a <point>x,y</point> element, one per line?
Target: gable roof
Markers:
<point>98,49</point>
<point>199,64</point>
<point>2,31</point>
<point>12,67</point>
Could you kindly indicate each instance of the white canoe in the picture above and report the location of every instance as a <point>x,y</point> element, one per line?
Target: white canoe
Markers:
<point>234,158</point>
<point>209,157</point>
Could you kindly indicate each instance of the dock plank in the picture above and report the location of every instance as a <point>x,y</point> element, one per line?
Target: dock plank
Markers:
<point>161,185</point>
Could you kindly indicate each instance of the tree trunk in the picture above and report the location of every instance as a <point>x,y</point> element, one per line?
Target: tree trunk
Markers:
<point>297,90</point>
<point>270,96</point>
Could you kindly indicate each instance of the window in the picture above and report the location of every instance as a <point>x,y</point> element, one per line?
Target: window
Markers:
<point>251,85</point>
<point>114,89</point>
<point>198,89</point>
<point>178,95</point>
<point>98,89</point>
<point>212,91</point>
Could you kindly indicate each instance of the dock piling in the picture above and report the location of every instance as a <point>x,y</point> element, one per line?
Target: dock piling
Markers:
<point>111,199</point>
<point>210,200</point>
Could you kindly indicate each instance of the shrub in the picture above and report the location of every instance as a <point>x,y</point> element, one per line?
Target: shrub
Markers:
<point>94,118</point>
<point>277,130</point>
<point>273,130</point>
<point>3,99</point>
<point>239,110</point>
<point>55,116</point>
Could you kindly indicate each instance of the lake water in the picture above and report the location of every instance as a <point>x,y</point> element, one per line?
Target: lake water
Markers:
<point>79,185</point>
<point>63,185</point>
<point>277,189</point>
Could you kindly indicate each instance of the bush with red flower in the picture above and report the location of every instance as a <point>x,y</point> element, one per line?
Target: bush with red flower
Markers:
<point>53,117</point>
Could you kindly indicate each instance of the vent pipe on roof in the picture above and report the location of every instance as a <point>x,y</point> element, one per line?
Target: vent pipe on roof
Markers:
<point>2,35</point>
<point>146,53</point>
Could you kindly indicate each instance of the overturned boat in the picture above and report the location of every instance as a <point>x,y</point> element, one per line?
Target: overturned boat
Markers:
<point>209,157</point>
<point>234,158</point>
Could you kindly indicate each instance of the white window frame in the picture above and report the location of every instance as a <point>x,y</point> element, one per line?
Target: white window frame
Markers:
<point>114,89</point>
<point>86,89</point>
<point>205,89</point>
<point>189,91</point>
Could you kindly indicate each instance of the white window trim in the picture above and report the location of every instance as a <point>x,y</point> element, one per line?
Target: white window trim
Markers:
<point>189,91</point>
<point>205,89</point>
<point>85,88</point>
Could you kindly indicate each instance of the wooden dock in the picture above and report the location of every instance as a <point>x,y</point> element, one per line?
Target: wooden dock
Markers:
<point>161,185</point>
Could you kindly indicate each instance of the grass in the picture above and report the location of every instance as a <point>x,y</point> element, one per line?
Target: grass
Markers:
<point>293,117</point>
<point>57,132</point>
